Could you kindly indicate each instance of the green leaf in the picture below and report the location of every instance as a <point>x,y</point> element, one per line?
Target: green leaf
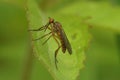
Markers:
<point>77,33</point>
<point>102,14</point>
<point>102,56</point>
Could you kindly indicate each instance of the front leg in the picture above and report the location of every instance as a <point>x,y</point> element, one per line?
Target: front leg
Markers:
<point>41,28</point>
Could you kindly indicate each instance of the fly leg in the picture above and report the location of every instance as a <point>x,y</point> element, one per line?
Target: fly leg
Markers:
<point>56,51</point>
<point>41,28</point>
<point>47,40</point>
<point>43,36</point>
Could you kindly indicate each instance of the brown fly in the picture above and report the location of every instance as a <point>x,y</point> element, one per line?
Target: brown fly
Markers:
<point>57,32</point>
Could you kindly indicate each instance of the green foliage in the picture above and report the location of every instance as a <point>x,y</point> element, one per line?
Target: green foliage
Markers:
<point>102,56</point>
<point>102,14</point>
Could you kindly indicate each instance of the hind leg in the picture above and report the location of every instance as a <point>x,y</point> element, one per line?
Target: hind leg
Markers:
<point>56,51</point>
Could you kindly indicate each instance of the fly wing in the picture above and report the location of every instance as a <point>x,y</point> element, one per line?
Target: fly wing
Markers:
<point>66,41</point>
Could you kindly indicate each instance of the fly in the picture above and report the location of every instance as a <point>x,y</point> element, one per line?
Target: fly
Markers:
<point>57,32</point>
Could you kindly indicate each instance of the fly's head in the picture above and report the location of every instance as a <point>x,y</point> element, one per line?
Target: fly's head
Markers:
<point>51,20</point>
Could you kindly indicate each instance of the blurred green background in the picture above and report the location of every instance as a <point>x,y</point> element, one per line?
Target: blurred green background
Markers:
<point>102,57</point>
